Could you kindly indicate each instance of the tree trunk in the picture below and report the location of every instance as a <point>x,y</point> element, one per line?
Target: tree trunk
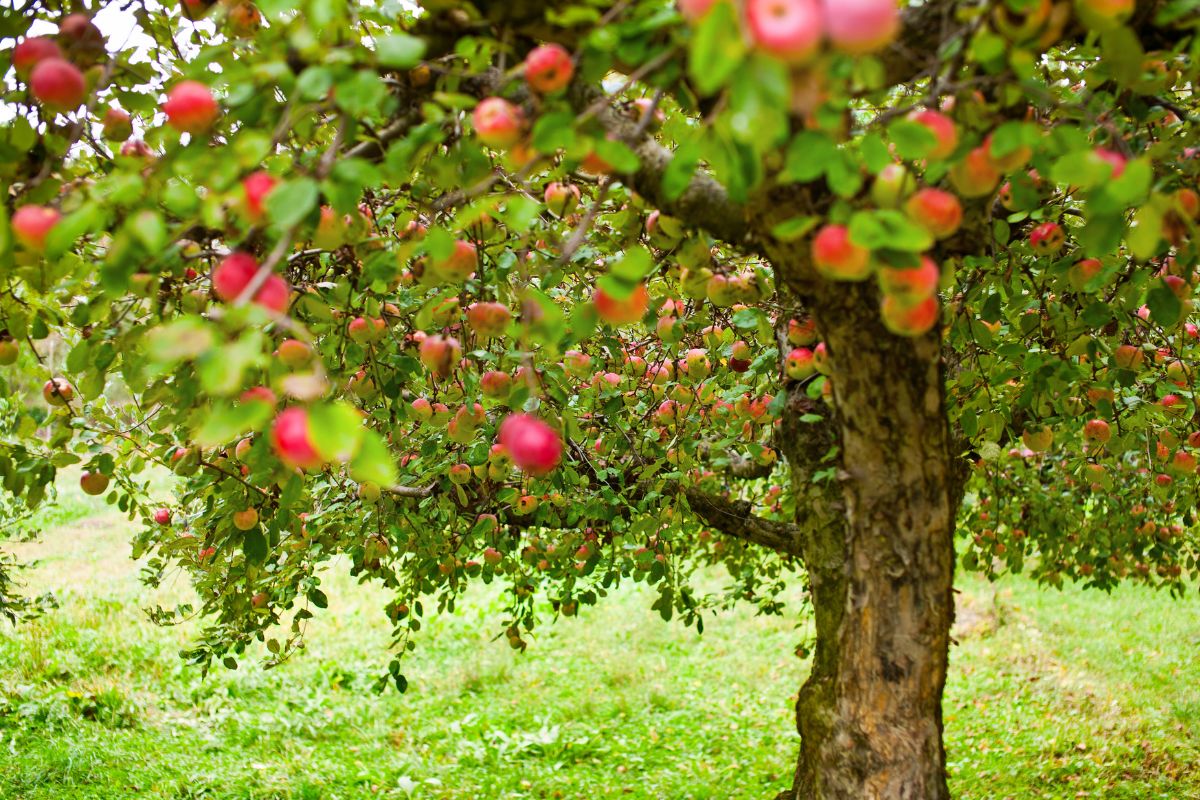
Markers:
<point>870,713</point>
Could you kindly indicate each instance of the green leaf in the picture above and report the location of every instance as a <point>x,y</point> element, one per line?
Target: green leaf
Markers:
<point>716,49</point>
<point>400,51</point>
<point>808,156</point>
<point>1165,308</point>
<point>633,268</point>
<point>254,546</point>
<point>183,339</point>
<point>373,462</point>
<point>225,422</point>
<point>617,155</point>
<point>336,429</point>
<point>291,202</point>
<point>913,141</point>
<point>888,229</point>
<point>221,370</point>
<point>794,229</point>
<point>679,173</point>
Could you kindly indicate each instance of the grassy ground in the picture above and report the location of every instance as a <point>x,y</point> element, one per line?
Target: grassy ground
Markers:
<point>1052,695</point>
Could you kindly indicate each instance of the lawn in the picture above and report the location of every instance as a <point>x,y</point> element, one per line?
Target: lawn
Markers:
<point>1052,695</point>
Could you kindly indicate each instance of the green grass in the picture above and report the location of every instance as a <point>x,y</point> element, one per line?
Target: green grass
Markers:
<point>1052,695</point>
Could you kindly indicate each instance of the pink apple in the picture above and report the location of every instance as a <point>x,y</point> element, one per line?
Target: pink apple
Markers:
<point>459,265</point>
<point>789,30</point>
<point>910,286</point>
<point>58,84</point>
<point>255,188</point>
<point>1047,239</point>
<point>561,198</point>
<point>292,440</point>
<point>549,68</point>
<point>488,319</point>
<point>906,320</point>
<point>498,123</point>
<point>837,258</point>
<point>191,108</point>
<point>440,354</point>
<point>32,224</point>
<point>621,311</point>
<point>936,211</point>
<point>859,27</point>
<point>30,51</point>
<point>799,364</point>
<point>535,447</point>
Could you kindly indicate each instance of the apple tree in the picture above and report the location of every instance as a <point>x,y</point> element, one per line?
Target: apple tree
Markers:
<point>559,295</point>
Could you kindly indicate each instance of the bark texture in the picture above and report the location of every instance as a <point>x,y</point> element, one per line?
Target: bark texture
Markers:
<point>870,715</point>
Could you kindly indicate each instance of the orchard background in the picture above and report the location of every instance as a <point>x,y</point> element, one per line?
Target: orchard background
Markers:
<point>562,297</point>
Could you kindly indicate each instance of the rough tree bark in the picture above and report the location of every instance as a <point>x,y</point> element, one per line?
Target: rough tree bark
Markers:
<point>870,714</point>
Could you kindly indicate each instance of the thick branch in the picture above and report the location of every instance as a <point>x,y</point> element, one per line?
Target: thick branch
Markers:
<point>733,518</point>
<point>704,204</point>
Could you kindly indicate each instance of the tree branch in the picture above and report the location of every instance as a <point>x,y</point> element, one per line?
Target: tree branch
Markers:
<point>733,518</point>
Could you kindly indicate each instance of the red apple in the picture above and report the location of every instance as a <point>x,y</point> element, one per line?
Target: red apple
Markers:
<point>294,353</point>
<point>440,355</point>
<point>191,108</point>
<point>561,198</point>
<point>255,188</point>
<point>81,40</point>
<point>1082,272</point>
<point>243,19</point>
<point>859,27</point>
<point>799,364</point>
<point>162,516</point>
<point>622,312</point>
<point>1097,431</point>
<point>943,130</point>
<point>58,84</point>
<point>292,440</point>
<point>549,68</point>
<point>58,392</point>
<point>936,211</point>
<point>802,333</point>
<point>1048,239</point>
<point>245,519</point>
<point>976,175</point>
<point>910,286</point>
<point>535,447</point>
<point>234,274</point>
<point>498,123</point>
<point>32,50</point>
<point>495,384</point>
<point>93,483</point>
<point>259,394</point>
<point>837,258</point>
<point>789,30</point>
<point>488,320</point>
<point>1128,356</point>
<point>31,225</point>
<point>116,125</point>
<point>905,320</point>
<point>459,265</point>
